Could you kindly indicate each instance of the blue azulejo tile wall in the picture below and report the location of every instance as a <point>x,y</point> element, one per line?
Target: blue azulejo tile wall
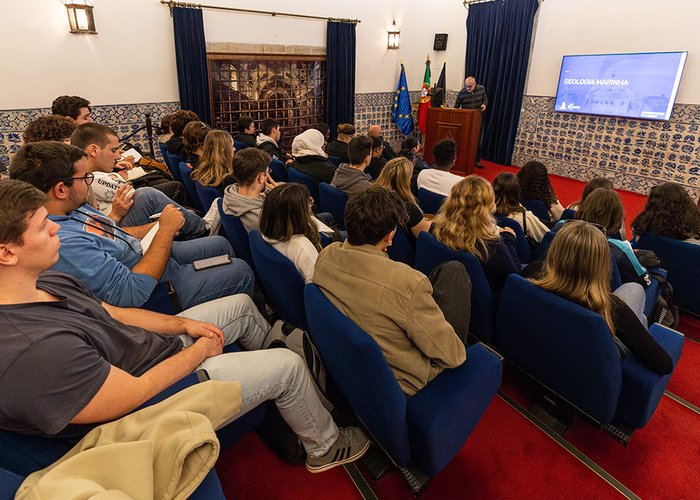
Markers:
<point>124,118</point>
<point>635,154</point>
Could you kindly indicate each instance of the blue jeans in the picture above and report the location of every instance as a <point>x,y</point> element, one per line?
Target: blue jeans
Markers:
<point>149,201</point>
<point>634,296</point>
<point>277,374</point>
<point>195,287</point>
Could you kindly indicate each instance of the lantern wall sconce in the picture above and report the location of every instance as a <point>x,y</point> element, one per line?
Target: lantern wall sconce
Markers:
<point>393,35</point>
<point>80,16</point>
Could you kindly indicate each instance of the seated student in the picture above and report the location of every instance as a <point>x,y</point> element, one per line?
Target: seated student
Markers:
<point>389,300</point>
<point>465,222</point>
<point>595,183</point>
<point>351,177</point>
<point>69,359</point>
<point>74,107</point>
<point>193,139</point>
<point>325,130</point>
<point>377,162</point>
<point>507,191</point>
<point>535,185</point>
<point>339,147</point>
<point>110,192</point>
<point>178,122</point>
<point>396,177</point>
<point>246,130</point>
<point>215,167</point>
<point>439,179</point>
<point>669,212</point>
<point>49,128</point>
<point>287,224</point>
<point>388,153</point>
<point>310,158</point>
<point>586,281</point>
<point>163,130</point>
<point>268,140</point>
<point>111,262</point>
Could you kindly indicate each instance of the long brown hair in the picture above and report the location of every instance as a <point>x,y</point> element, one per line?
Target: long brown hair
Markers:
<point>286,212</point>
<point>585,281</point>
<point>465,220</point>
<point>216,160</point>
<point>671,212</point>
<point>506,189</point>
<point>603,206</point>
<point>396,176</point>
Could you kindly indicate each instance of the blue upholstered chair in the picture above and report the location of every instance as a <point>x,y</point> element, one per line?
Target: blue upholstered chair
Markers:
<point>402,248</point>
<point>173,162</point>
<point>430,202</point>
<point>430,253</point>
<point>570,350</point>
<point>538,208</point>
<point>279,171</point>
<point>206,195</point>
<point>24,454</point>
<point>522,247</point>
<point>236,234</point>
<point>682,261</point>
<point>568,214</point>
<point>305,179</point>
<point>283,284</point>
<point>333,200</point>
<point>185,172</point>
<point>335,160</point>
<point>427,429</point>
<point>163,153</point>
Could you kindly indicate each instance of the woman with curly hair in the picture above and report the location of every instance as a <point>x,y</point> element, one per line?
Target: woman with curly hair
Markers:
<point>465,222</point>
<point>215,167</point>
<point>507,190</point>
<point>193,139</point>
<point>535,185</point>
<point>587,283</point>
<point>396,176</point>
<point>669,212</point>
<point>49,128</point>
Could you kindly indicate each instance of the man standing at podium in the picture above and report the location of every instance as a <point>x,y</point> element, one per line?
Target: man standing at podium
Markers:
<point>473,96</point>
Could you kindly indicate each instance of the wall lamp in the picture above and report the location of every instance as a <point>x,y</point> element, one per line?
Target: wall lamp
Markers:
<point>80,16</point>
<point>393,35</point>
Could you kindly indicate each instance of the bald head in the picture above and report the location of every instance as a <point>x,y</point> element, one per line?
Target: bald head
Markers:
<point>374,131</point>
<point>470,83</point>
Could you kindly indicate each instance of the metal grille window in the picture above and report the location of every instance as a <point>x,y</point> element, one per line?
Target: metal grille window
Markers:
<point>290,89</point>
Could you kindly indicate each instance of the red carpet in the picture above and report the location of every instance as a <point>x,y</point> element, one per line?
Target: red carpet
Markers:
<point>685,381</point>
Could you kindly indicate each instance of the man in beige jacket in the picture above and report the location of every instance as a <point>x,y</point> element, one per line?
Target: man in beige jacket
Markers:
<point>389,300</point>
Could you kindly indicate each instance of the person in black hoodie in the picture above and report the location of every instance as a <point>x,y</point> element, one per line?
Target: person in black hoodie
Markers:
<point>246,130</point>
<point>339,147</point>
<point>269,140</point>
<point>309,157</point>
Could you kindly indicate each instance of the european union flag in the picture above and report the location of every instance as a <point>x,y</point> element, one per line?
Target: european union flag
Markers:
<point>401,110</point>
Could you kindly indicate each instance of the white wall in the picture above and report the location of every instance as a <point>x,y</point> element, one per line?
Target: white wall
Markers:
<point>611,26</point>
<point>132,58</point>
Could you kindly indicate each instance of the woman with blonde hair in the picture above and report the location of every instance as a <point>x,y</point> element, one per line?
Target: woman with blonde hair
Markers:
<point>215,167</point>
<point>396,176</point>
<point>586,281</point>
<point>465,222</point>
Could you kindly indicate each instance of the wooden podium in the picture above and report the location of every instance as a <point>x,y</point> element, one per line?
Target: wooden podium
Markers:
<point>463,126</point>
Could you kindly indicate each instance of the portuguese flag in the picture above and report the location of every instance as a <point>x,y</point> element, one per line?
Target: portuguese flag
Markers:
<point>424,98</point>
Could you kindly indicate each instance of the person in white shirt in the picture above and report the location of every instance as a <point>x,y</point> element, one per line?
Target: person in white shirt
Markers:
<point>439,179</point>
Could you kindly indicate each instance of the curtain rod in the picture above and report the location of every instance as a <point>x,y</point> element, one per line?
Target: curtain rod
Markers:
<point>172,4</point>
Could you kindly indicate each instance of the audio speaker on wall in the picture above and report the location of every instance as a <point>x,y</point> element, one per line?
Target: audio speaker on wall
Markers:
<point>440,41</point>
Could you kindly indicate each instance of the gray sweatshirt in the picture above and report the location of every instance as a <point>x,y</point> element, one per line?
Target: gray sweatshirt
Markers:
<point>246,209</point>
<point>350,180</point>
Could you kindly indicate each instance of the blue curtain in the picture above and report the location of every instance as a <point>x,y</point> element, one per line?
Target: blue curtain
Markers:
<point>498,50</point>
<point>340,74</point>
<point>191,59</point>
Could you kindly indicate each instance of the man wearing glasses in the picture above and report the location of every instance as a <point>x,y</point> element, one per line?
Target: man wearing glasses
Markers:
<point>473,96</point>
<point>113,261</point>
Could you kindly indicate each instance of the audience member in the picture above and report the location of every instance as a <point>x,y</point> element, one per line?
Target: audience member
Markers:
<point>377,163</point>
<point>396,177</point>
<point>49,128</point>
<point>193,139</point>
<point>388,152</point>
<point>325,130</point>
<point>287,224</point>
<point>339,147</point>
<point>351,177</point>
<point>74,107</point>
<point>309,157</point>
<point>215,167</point>
<point>535,185</point>
<point>411,148</point>
<point>246,130</point>
<point>269,140</point>
<point>439,179</point>
<point>669,212</point>
<point>596,182</point>
<point>506,189</point>
<point>163,130</point>
<point>178,122</point>
<point>112,263</point>
<point>465,222</point>
<point>389,300</point>
<point>112,193</point>
<point>69,359</point>
<point>586,281</point>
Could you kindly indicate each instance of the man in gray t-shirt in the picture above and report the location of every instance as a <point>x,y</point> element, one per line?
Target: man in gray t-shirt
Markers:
<point>68,358</point>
